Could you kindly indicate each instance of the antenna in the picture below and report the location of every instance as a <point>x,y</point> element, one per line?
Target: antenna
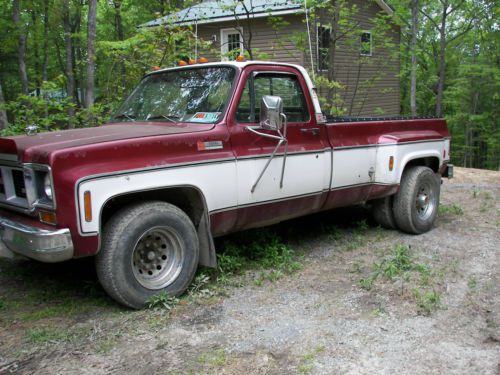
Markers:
<point>309,38</point>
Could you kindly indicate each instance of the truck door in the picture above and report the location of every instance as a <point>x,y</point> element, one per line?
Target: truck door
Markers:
<point>264,196</point>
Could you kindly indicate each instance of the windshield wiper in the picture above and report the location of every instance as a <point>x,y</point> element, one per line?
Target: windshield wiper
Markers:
<point>172,118</point>
<point>124,115</point>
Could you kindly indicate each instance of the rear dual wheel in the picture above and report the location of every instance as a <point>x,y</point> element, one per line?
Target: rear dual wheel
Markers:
<point>147,248</point>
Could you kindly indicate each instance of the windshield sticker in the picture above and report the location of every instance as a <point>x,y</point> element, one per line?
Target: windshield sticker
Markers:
<point>205,117</point>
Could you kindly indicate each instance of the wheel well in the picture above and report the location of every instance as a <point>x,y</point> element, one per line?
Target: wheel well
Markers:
<point>188,199</point>
<point>431,162</point>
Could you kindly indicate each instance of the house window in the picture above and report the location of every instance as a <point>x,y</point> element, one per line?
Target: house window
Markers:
<point>323,47</point>
<point>366,43</point>
<point>231,43</point>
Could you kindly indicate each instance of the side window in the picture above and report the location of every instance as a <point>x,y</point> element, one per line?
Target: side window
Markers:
<point>283,85</point>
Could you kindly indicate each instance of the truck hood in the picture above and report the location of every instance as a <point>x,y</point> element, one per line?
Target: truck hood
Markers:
<point>42,144</point>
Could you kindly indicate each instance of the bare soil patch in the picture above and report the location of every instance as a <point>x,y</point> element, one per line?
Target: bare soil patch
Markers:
<point>346,311</point>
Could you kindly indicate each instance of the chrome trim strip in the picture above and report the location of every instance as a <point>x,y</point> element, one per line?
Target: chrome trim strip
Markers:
<point>8,157</point>
<point>43,245</point>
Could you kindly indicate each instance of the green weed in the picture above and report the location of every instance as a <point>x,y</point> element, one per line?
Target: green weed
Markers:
<point>472,282</point>
<point>306,364</point>
<point>401,265</point>
<point>214,358</point>
<point>427,300</point>
<point>104,347</point>
<point>45,335</point>
<point>453,209</point>
<point>162,301</point>
<point>265,251</point>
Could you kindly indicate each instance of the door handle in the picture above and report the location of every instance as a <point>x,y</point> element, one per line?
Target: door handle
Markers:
<point>314,131</point>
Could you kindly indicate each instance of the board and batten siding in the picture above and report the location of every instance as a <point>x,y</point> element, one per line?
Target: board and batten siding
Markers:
<point>380,97</point>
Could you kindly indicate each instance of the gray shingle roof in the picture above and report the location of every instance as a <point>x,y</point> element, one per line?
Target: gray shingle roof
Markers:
<point>213,11</point>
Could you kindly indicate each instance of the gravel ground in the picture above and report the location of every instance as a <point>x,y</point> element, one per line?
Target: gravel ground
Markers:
<point>319,320</point>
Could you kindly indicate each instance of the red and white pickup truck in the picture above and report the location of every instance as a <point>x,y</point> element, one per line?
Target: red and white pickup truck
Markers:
<point>201,151</point>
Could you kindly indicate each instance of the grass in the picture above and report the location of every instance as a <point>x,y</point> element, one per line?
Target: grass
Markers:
<point>451,209</point>
<point>44,335</point>
<point>262,250</point>
<point>162,301</point>
<point>307,359</point>
<point>401,265</point>
<point>213,358</point>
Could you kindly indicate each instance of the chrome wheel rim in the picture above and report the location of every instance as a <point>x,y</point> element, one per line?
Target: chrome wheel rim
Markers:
<point>425,201</point>
<point>157,258</point>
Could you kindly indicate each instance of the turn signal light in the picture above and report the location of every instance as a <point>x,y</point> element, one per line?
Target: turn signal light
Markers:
<point>87,203</point>
<point>391,163</point>
<point>47,217</point>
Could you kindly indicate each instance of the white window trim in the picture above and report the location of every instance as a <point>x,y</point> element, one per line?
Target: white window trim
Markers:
<point>317,45</point>
<point>223,41</point>
<point>371,43</point>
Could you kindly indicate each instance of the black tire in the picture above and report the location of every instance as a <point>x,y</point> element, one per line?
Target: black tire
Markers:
<point>383,213</point>
<point>416,204</point>
<point>147,248</point>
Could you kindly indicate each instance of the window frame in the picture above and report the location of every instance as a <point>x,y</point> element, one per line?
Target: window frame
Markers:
<point>224,33</point>
<point>250,80</point>
<point>370,53</point>
<point>319,68</point>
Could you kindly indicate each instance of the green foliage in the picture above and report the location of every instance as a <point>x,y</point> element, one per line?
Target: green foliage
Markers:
<point>259,249</point>
<point>472,78</point>
<point>453,209</point>
<point>400,265</point>
<point>162,301</point>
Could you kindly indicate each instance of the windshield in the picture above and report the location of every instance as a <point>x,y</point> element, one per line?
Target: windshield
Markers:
<point>188,95</point>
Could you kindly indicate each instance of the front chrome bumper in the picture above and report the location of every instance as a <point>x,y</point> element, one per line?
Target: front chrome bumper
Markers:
<point>44,245</point>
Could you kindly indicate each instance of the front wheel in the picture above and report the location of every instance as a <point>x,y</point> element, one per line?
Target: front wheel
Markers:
<point>147,248</point>
<point>416,204</point>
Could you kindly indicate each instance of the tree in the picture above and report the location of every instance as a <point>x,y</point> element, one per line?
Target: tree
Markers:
<point>451,19</point>
<point>413,51</point>
<point>91,34</point>
<point>70,76</point>
<point>3,114</point>
<point>21,49</point>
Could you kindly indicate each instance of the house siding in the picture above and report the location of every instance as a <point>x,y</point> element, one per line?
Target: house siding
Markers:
<point>282,45</point>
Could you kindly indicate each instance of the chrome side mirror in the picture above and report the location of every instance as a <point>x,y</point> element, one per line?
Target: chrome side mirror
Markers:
<point>271,109</point>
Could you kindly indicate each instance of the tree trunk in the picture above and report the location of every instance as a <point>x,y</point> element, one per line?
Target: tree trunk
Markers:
<point>45,64</point>
<point>36,53</point>
<point>334,29</point>
<point>442,61</point>
<point>70,77</point>
<point>3,114</point>
<point>413,48</point>
<point>21,46</point>
<point>91,33</point>
<point>120,36</point>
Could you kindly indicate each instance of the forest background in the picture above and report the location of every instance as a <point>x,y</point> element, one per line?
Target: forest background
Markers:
<point>70,63</point>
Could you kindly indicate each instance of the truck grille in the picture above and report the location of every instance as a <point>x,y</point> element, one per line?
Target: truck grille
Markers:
<point>19,187</point>
<point>12,187</point>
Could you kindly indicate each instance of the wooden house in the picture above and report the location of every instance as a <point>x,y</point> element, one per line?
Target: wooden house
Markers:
<point>286,31</point>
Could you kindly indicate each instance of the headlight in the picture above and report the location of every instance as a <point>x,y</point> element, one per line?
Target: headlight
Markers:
<point>47,186</point>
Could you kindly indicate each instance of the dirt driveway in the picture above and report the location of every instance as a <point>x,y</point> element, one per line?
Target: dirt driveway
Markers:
<point>364,301</point>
